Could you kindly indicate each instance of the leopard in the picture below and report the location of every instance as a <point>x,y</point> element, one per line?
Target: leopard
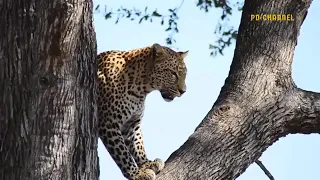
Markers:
<point>125,78</point>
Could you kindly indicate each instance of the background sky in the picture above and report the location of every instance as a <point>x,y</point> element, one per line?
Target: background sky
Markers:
<point>166,126</point>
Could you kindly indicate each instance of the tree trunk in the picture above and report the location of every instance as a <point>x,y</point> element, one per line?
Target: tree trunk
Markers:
<point>47,90</point>
<point>258,104</point>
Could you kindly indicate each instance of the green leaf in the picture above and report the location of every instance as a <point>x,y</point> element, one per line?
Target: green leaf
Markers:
<point>217,3</point>
<point>108,15</point>
<point>199,2</point>
<point>234,35</point>
<point>226,33</point>
<point>169,41</point>
<point>229,10</point>
<point>140,20</point>
<point>156,14</point>
<point>223,16</point>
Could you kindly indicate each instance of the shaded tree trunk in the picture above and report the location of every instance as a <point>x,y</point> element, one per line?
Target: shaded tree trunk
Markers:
<point>47,90</point>
<point>258,104</point>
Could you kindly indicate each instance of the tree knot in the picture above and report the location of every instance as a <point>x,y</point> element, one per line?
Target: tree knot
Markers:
<point>219,111</point>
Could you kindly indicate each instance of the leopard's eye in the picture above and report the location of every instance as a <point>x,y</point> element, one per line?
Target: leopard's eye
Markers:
<point>175,74</point>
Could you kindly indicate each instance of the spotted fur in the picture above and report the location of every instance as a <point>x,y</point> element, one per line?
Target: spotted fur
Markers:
<point>125,79</point>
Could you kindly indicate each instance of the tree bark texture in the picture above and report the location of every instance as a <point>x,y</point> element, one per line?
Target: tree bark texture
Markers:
<point>258,104</point>
<point>47,90</point>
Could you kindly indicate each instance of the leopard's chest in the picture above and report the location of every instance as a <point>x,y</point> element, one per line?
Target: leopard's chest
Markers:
<point>133,107</point>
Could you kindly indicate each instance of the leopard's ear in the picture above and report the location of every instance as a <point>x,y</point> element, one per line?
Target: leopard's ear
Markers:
<point>183,54</point>
<point>157,50</point>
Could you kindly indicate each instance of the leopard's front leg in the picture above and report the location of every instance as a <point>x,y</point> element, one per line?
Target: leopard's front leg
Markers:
<point>113,140</point>
<point>134,141</point>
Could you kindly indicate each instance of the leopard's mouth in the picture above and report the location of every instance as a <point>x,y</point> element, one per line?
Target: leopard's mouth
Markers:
<point>168,96</point>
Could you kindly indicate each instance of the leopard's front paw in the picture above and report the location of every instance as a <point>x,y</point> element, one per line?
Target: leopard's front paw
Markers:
<point>156,165</point>
<point>145,174</point>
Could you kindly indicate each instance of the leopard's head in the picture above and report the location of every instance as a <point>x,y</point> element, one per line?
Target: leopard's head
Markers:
<point>168,71</point>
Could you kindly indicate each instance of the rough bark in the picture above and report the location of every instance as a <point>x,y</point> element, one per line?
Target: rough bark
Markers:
<point>258,104</point>
<point>47,90</point>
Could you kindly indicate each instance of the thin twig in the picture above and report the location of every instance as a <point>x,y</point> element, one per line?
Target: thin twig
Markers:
<point>264,169</point>
<point>180,4</point>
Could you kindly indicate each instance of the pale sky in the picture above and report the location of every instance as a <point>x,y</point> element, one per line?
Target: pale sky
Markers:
<point>166,126</point>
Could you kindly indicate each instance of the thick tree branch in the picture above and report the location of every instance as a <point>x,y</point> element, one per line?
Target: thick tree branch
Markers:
<point>307,112</point>
<point>255,105</point>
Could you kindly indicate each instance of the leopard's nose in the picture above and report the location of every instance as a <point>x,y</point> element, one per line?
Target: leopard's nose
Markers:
<point>183,90</point>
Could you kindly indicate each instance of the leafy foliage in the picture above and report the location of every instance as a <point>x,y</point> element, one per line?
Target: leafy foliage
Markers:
<point>226,35</point>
